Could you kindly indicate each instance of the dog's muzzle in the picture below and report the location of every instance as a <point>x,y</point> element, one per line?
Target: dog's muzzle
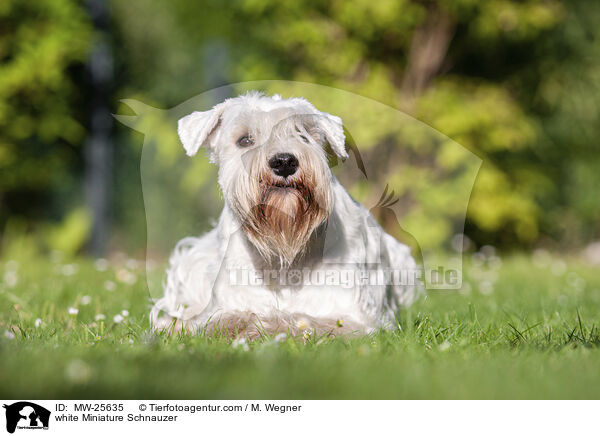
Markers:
<point>283,164</point>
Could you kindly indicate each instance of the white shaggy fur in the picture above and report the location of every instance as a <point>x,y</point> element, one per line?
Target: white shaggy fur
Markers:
<point>305,222</point>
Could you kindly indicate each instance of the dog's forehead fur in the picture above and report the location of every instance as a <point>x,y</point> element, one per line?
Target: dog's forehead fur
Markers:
<point>255,101</point>
<point>260,116</point>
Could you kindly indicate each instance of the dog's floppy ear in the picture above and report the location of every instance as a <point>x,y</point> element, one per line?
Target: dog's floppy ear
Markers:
<point>195,128</point>
<point>333,129</point>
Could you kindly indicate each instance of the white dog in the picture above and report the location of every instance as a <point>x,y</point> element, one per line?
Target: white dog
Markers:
<point>292,251</point>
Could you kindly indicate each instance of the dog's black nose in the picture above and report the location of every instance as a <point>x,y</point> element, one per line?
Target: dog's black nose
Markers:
<point>284,164</point>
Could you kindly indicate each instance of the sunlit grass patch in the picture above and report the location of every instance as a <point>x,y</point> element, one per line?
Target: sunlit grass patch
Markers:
<point>520,328</point>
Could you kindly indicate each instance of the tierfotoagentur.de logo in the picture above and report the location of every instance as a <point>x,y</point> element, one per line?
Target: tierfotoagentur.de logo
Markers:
<point>26,415</point>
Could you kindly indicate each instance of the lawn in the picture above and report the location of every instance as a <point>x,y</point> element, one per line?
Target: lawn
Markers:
<point>523,327</point>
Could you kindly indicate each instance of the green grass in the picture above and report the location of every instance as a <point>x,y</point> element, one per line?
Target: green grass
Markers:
<point>535,335</point>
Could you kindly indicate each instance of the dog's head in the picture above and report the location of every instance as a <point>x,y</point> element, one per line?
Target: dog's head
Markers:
<point>273,168</point>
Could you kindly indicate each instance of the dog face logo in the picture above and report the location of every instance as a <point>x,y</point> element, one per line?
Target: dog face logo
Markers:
<point>26,415</point>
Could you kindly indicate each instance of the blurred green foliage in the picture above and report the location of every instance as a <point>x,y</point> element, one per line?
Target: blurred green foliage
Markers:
<point>515,82</point>
<point>41,119</point>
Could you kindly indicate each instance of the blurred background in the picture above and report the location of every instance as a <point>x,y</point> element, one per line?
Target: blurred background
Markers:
<point>517,83</point>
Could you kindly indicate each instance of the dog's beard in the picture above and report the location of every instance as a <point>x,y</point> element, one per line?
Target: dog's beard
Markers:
<point>284,217</point>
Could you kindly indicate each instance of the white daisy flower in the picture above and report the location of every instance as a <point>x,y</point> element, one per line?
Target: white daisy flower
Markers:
<point>11,278</point>
<point>77,371</point>
<point>101,264</point>
<point>126,276</point>
<point>240,343</point>
<point>69,269</point>
<point>131,263</point>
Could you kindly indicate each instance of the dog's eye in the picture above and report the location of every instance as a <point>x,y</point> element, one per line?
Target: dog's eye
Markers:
<point>303,137</point>
<point>245,141</point>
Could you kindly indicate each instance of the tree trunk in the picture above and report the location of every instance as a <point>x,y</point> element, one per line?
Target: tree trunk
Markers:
<point>98,148</point>
<point>428,50</point>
